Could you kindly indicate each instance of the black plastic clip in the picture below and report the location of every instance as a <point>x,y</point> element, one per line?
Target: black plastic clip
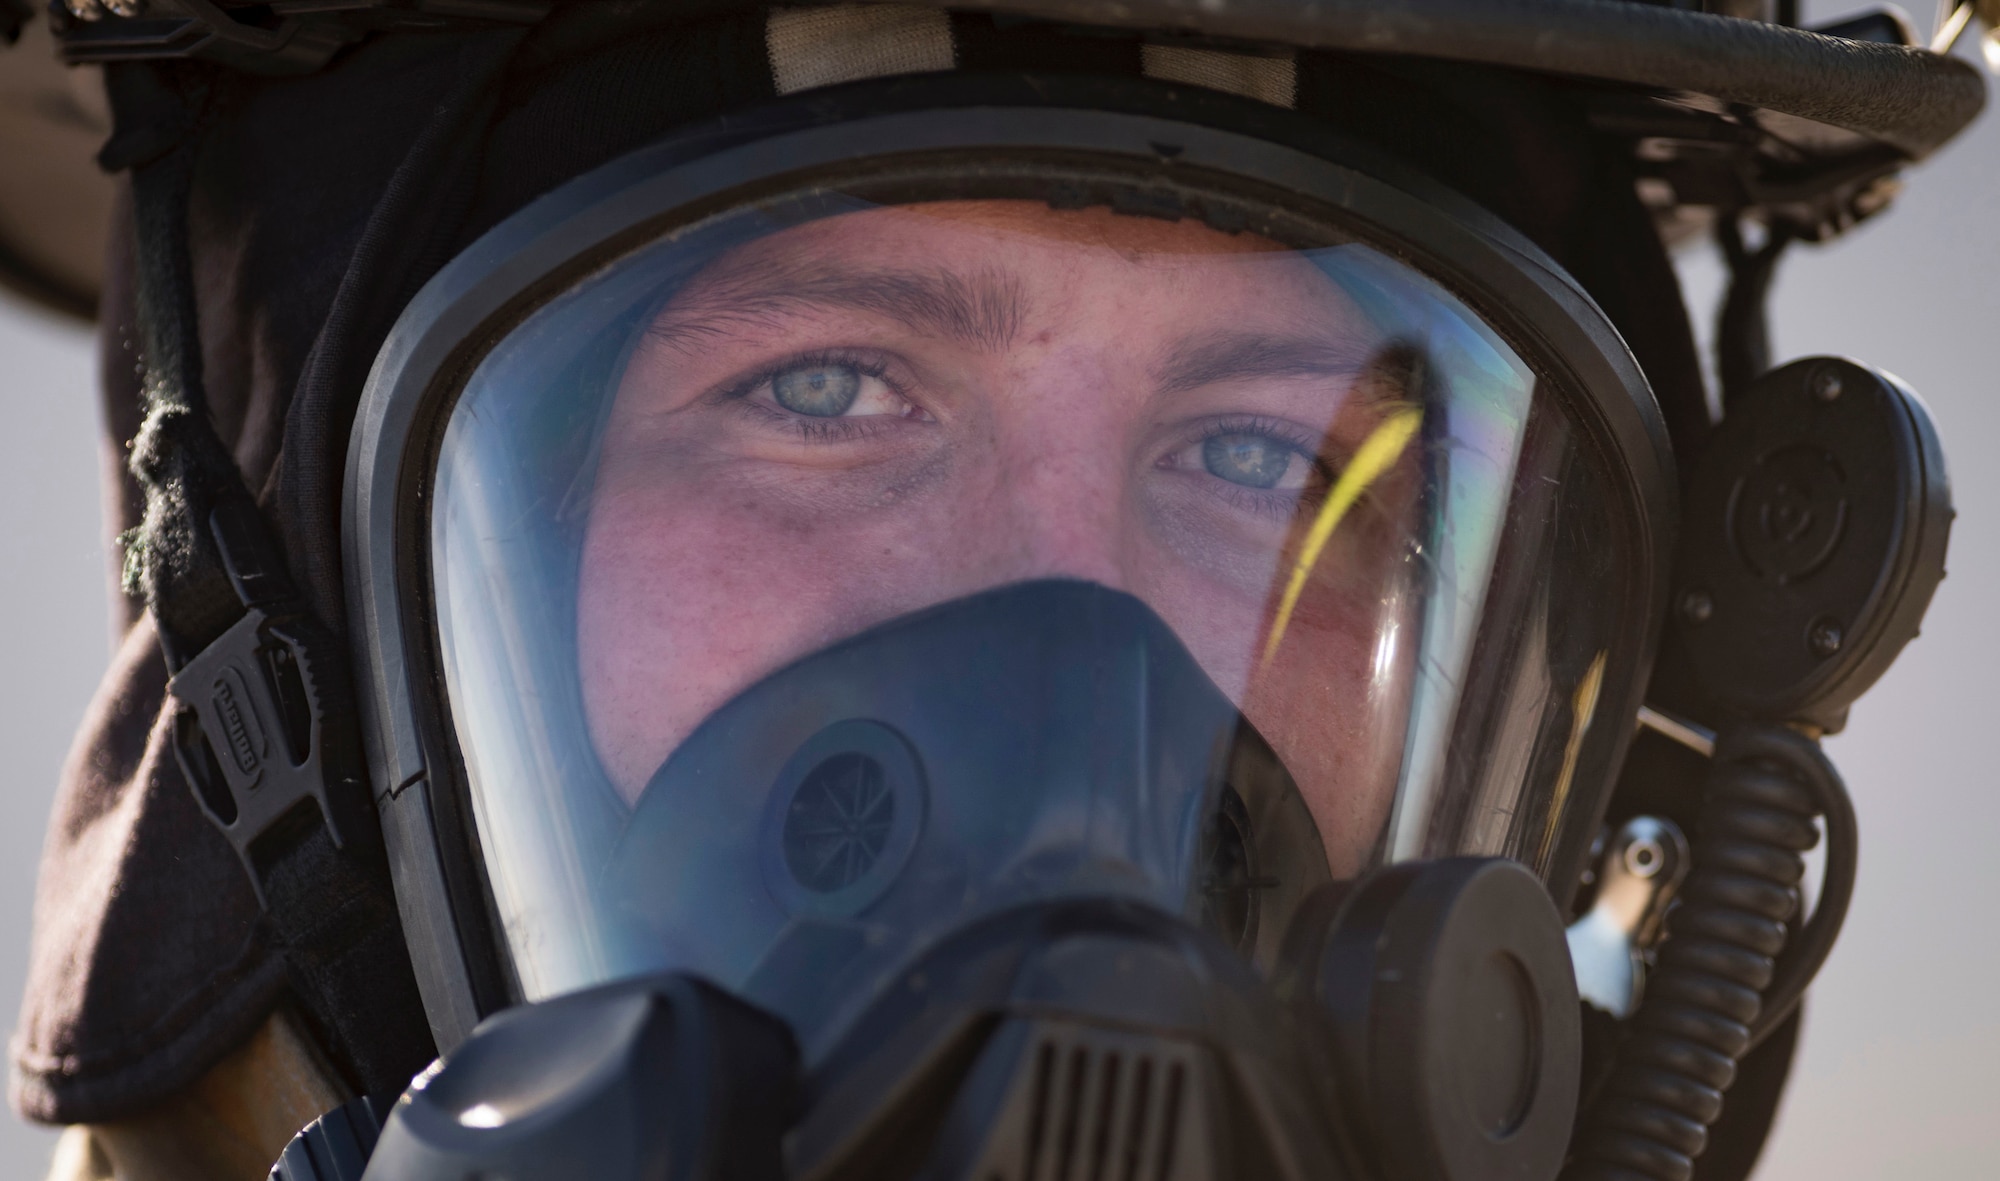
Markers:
<point>264,728</point>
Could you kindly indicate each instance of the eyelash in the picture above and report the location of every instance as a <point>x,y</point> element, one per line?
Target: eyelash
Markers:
<point>816,430</point>
<point>1288,433</point>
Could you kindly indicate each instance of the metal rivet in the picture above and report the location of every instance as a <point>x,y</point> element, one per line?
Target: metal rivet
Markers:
<point>1826,384</point>
<point>1697,606</point>
<point>1824,637</point>
<point>1644,857</point>
<point>126,8</point>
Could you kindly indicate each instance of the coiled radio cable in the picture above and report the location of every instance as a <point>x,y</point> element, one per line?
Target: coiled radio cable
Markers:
<point>1726,974</point>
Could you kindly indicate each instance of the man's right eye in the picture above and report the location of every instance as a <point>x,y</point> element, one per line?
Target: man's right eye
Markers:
<point>820,391</point>
<point>833,388</point>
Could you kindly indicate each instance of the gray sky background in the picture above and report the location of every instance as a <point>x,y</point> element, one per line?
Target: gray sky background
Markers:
<point>53,627</point>
<point>1896,1077</point>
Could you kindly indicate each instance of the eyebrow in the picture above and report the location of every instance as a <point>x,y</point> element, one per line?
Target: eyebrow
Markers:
<point>1237,356</point>
<point>983,309</point>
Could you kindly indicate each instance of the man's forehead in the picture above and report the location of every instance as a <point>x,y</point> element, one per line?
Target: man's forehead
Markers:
<point>1024,232</point>
<point>1035,223</point>
<point>1014,253</point>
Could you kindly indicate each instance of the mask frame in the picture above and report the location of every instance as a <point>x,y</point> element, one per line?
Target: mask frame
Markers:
<point>461,965</point>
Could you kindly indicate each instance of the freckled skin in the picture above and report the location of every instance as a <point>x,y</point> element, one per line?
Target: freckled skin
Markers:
<point>727,538</point>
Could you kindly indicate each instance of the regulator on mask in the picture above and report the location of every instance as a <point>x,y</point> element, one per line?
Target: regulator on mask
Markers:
<point>1203,1000</point>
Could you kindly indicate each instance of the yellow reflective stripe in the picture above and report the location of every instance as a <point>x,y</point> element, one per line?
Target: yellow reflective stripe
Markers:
<point>1377,454</point>
<point>1583,708</point>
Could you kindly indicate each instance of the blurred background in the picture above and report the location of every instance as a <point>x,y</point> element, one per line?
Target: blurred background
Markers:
<point>1896,1077</point>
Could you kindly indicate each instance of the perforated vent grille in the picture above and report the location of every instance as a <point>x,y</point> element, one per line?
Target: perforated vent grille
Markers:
<point>1099,1105</point>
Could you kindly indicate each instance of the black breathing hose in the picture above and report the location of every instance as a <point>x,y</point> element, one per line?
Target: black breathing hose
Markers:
<point>1725,975</point>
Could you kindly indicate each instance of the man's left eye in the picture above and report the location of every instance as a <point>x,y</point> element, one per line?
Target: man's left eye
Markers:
<point>1255,461</point>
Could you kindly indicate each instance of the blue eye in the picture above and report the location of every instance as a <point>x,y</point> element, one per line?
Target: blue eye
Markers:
<point>820,391</point>
<point>1254,461</point>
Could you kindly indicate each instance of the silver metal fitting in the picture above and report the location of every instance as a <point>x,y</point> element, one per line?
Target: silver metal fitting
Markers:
<point>1643,865</point>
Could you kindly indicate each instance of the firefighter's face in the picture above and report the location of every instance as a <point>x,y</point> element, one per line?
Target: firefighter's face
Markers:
<point>871,413</point>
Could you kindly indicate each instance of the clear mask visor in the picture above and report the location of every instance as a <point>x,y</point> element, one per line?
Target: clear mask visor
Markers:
<point>1362,526</point>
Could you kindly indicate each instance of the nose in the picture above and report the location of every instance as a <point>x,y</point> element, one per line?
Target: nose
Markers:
<point>1063,449</point>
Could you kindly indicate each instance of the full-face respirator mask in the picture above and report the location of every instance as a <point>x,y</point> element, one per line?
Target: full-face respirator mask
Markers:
<point>1023,627</point>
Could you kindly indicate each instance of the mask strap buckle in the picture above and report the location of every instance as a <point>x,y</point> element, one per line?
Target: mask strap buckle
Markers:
<point>255,735</point>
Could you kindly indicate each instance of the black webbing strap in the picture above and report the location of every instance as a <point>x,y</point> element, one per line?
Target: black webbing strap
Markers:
<point>266,730</point>
<point>1742,327</point>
